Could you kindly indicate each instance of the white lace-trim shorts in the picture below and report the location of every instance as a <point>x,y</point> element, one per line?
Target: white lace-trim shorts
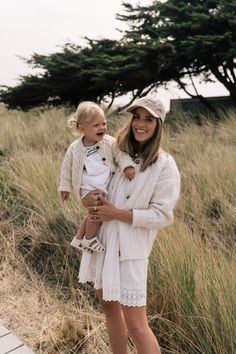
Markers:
<point>132,288</point>
<point>123,281</point>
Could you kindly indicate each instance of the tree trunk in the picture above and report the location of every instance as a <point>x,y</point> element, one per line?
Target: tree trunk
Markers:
<point>202,99</point>
<point>227,82</point>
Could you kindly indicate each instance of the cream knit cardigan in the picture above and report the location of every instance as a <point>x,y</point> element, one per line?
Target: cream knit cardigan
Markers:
<point>152,202</point>
<point>73,163</point>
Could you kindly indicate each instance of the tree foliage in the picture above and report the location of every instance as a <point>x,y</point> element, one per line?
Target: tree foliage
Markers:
<point>202,34</point>
<point>165,41</point>
<point>103,69</point>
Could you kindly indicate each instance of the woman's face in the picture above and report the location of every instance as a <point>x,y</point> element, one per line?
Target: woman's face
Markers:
<point>143,125</point>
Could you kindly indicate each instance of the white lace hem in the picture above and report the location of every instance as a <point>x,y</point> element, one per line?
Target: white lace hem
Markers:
<point>126,296</point>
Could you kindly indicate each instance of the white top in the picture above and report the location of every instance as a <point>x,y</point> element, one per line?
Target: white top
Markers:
<point>95,174</point>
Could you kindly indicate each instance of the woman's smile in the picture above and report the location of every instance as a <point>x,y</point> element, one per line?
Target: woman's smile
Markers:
<point>141,131</point>
<point>143,125</point>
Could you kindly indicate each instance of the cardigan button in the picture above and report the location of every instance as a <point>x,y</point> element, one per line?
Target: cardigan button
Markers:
<point>97,147</point>
<point>103,159</point>
<point>127,197</point>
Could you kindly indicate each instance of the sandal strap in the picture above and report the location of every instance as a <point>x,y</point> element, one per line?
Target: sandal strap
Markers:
<point>93,244</point>
<point>79,245</point>
<point>76,242</point>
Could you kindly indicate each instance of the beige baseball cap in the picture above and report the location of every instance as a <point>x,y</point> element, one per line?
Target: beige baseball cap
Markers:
<point>153,105</point>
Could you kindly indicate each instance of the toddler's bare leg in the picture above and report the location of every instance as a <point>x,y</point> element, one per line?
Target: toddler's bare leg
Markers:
<point>90,240</point>
<point>82,229</point>
<point>91,229</point>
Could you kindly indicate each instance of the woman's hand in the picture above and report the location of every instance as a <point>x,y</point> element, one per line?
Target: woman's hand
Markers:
<point>92,199</point>
<point>107,212</point>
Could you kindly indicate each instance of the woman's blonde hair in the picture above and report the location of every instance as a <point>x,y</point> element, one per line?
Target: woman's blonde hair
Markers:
<point>149,150</point>
<point>85,113</point>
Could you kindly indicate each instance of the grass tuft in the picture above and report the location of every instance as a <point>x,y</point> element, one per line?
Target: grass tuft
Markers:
<point>191,286</point>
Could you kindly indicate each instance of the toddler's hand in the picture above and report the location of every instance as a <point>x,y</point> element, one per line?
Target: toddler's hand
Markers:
<point>64,196</point>
<point>129,172</point>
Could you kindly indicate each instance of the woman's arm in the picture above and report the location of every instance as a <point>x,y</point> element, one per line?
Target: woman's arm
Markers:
<point>159,214</point>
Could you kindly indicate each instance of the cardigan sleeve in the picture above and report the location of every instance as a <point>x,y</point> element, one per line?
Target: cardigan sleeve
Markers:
<point>121,158</point>
<point>159,214</point>
<point>66,172</point>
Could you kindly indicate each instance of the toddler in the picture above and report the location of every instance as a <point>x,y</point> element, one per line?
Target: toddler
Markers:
<point>88,165</point>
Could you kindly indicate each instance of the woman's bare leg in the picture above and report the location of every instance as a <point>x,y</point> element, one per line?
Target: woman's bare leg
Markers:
<point>115,323</point>
<point>139,330</point>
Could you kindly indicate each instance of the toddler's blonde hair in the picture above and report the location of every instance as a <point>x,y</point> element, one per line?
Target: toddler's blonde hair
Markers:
<point>85,113</point>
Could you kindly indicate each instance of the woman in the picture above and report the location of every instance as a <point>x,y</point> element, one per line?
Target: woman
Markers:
<point>135,212</point>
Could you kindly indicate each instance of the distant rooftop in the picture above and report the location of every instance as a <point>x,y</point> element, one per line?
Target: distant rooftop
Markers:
<point>195,105</point>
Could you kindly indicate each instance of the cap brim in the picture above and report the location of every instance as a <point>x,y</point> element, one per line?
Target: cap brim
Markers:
<point>133,107</point>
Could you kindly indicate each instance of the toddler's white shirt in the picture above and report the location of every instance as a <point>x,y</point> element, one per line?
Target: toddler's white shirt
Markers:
<point>96,174</point>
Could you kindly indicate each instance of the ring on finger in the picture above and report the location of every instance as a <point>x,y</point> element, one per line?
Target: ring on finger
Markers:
<point>95,208</point>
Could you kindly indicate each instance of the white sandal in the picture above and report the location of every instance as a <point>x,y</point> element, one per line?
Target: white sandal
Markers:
<point>93,244</point>
<point>79,245</point>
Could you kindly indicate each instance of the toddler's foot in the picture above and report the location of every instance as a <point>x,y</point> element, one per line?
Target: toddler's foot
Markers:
<point>93,244</point>
<point>79,245</point>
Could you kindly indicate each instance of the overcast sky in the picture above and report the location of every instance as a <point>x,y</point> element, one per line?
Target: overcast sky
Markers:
<point>41,26</point>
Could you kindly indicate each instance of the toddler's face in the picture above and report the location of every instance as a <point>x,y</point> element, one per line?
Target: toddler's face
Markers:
<point>94,131</point>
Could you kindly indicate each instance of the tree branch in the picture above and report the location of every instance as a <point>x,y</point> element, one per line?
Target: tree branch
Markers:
<point>202,99</point>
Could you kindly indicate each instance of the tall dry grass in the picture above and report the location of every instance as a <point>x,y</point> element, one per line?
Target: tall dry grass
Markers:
<point>191,301</point>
